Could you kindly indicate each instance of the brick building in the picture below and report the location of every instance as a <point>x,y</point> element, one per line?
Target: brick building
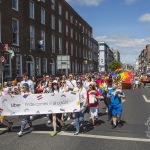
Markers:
<point>46,36</point>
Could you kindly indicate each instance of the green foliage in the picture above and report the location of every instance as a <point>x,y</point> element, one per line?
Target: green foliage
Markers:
<point>114,64</point>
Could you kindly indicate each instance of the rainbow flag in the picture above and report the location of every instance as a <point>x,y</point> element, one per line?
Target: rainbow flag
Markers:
<point>118,70</point>
<point>101,87</point>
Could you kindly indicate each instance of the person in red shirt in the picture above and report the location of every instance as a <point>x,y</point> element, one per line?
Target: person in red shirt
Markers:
<point>93,97</point>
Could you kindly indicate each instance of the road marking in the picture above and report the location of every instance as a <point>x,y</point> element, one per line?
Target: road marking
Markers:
<point>92,136</point>
<point>97,136</point>
<point>145,98</point>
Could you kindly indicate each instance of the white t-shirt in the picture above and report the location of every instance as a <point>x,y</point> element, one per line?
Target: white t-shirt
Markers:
<point>82,94</point>
<point>86,84</point>
<point>71,84</point>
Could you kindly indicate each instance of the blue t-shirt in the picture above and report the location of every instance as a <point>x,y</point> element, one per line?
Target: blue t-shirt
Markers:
<point>114,99</point>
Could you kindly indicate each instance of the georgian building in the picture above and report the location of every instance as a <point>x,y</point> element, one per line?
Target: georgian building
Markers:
<point>46,36</point>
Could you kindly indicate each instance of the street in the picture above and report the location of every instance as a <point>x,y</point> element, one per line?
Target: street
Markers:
<point>132,135</point>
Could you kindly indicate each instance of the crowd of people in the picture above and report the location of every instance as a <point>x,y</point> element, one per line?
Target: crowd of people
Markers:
<point>92,89</point>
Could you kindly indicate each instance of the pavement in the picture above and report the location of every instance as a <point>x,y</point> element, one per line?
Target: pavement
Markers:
<point>132,135</point>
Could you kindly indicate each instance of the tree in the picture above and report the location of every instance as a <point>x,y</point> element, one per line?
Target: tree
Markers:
<point>114,64</point>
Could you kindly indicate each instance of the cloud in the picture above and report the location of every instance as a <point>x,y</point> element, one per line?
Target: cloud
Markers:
<point>130,1</point>
<point>129,47</point>
<point>145,18</point>
<point>85,2</point>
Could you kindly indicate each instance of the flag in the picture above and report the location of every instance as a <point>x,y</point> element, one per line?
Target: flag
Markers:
<point>39,97</point>
<point>118,70</point>
<point>11,52</point>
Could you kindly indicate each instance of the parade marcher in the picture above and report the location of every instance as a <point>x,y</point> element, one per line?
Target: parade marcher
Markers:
<point>93,97</point>
<point>79,116</point>
<point>71,84</point>
<point>115,107</point>
<point>2,118</point>
<point>136,81</point>
<point>57,118</point>
<point>48,89</point>
<point>87,82</point>
<point>25,118</point>
<point>39,87</point>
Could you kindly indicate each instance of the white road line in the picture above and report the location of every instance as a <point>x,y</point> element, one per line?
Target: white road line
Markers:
<point>97,136</point>
<point>92,136</point>
<point>145,98</point>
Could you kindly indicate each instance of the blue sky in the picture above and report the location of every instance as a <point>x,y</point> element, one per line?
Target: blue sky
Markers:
<point>123,24</point>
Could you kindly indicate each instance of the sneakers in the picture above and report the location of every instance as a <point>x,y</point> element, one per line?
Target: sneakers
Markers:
<point>53,133</point>
<point>120,124</point>
<point>20,133</point>
<point>113,126</point>
<point>84,130</point>
<point>49,121</point>
<point>76,133</point>
<point>68,118</point>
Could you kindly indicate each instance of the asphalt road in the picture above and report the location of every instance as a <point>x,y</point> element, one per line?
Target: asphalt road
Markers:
<point>132,135</point>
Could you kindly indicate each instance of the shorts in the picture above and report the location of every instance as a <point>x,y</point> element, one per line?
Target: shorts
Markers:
<point>116,109</point>
<point>94,111</point>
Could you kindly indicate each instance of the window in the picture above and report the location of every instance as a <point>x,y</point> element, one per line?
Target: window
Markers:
<point>32,37</point>
<point>53,43</point>
<point>15,5</point>
<point>76,22</point>
<point>67,30</point>
<point>76,51</point>
<point>53,22</point>
<point>43,1</point>
<point>53,4</point>
<point>66,47</point>
<point>71,49</point>
<point>15,30</point>
<point>60,45</point>
<point>42,15</point>
<point>43,39</point>
<point>0,29</point>
<point>38,66</point>
<point>60,9</point>
<point>45,65</point>
<point>83,39</point>
<point>32,9</point>
<point>60,26</point>
<point>71,19</point>
<point>76,36</point>
<point>72,33</point>
<point>66,15</point>
<point>8,65</point>
<point>19,65</point>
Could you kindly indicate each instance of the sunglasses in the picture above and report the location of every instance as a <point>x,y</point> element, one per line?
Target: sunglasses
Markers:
<point>62,82</point>
<point>78,82</point>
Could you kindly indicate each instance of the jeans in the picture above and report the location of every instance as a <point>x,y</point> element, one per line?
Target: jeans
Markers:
<point>79,118</point>
<point>25,119</point>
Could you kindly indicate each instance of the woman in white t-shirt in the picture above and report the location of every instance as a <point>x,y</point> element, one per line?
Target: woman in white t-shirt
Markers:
<point>79,116</point>
<point>87,82</point>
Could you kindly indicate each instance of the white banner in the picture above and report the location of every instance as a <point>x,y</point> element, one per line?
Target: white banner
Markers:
<point>39,104</point>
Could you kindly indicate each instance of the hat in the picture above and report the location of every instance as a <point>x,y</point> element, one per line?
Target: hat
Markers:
<point>55,82</point>
<point>25,85</point>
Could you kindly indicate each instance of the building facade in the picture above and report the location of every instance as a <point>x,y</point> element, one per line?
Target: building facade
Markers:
<point>144,59</point>
<point>46,36</point>
<point>95,53</point>
<point>105,56</point>
<point>116,54</point>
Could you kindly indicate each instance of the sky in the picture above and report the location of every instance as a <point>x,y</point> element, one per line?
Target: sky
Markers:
<point>123,25</point>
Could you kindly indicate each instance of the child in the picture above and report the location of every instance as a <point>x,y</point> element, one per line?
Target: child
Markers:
<point>26,118</point>
<point>115,107</point>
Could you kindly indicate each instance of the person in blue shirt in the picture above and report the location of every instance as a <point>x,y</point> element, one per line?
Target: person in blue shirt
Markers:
<point>115,107</point>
